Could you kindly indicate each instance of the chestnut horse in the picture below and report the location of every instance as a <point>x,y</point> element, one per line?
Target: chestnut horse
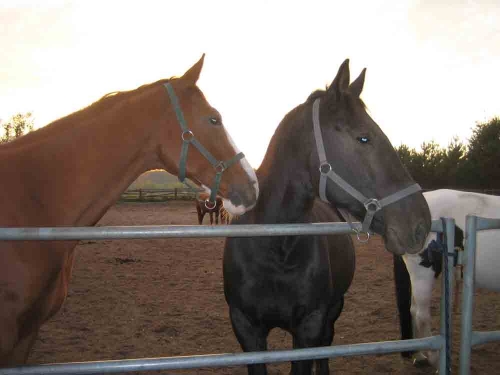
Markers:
<point>70,172</point>
<point>204,206</point>
<point>298,283</point>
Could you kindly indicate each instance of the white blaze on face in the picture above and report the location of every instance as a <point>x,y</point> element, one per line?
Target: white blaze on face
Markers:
<point>230,207</point>
<point>246,167</point>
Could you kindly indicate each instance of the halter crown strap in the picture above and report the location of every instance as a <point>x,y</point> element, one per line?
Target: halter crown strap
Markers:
<point>372,205</point>
<point>189,138</point>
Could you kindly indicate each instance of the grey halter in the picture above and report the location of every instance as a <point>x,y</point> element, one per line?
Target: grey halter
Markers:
<point>372,205</point>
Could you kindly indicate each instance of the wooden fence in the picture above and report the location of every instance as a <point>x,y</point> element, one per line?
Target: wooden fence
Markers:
<point>159,195</point>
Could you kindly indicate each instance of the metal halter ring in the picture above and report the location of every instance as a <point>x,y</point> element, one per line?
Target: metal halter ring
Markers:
<point>207,202</point>
<point>220,167</point>
<point>372,205</point>
<point>322,169</point>
<point>361,239</point>
<point>189,137</point>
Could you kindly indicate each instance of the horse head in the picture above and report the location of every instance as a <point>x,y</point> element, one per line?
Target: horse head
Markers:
<point>214,161</point>
<point>350,162</point>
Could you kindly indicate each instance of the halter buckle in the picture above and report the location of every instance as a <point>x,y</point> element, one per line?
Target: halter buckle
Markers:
<point>220,167</point>
<point>325,168</point>
<point>372,205</point>
<point>187,136</point>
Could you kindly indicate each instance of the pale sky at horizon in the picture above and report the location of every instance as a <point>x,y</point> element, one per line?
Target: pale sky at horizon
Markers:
<point>432,66</point>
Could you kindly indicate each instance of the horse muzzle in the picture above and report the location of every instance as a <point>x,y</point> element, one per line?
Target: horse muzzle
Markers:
<point>241,199</point>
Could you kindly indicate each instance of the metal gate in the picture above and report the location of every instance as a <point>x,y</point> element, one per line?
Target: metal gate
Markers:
<point>438,342</point>
<point>469,338</point>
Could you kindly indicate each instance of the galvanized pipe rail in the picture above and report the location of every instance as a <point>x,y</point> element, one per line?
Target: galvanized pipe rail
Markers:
<point>218,360</point>
<point>167,231</point>
<point>227,360</point>
<point>470,338</point>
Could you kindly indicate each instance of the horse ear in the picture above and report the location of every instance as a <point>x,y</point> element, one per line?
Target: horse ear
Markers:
<point>341,81</point>
<point>357,86</point>
<point>192,75</point>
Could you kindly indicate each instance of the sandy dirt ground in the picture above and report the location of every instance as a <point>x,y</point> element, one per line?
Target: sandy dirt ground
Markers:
<point>164,297</point>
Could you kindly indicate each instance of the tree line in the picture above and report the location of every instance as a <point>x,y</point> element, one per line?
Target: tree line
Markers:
<point>458,166</point>
<point>475,165</point>
<point>18,125</point>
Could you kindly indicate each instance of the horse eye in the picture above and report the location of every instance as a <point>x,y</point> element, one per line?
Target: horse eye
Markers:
<point>214,121</point>
<point>363,139</point>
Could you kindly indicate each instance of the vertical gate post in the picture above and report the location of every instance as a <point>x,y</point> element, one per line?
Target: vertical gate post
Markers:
<point>446,296</point>
<point>468,294</point>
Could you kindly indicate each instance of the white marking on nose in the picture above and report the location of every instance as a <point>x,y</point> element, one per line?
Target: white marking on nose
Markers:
<point>232,209</point>
<point>245,165</point>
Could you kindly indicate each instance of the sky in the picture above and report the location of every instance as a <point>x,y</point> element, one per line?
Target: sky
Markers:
<point>433,66</point>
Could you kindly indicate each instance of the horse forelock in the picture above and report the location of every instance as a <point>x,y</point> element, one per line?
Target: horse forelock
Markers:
<point>346,99</point>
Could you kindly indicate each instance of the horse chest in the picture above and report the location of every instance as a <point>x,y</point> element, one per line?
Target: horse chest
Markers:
<point>284,297</point>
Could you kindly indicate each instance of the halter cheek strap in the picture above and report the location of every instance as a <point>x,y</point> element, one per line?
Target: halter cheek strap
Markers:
<point>372,205</point>
<point>187,139</point>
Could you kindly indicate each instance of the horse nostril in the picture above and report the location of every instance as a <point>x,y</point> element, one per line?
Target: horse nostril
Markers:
<point>420,234</point>
<point>235,198</point>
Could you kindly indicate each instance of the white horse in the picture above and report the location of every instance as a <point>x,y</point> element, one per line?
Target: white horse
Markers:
<point>424,268</point>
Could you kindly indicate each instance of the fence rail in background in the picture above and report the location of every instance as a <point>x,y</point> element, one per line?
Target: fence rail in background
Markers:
<point>159,195</point>
<point>221,360</point>
<point>470,338</point>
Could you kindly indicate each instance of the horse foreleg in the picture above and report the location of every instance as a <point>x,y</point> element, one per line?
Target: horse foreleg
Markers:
<point>251,338</point>
<point>314,330</point>
<point>321,365</point>
<point>19,355</point>
<point>200,213</point>
<point>422,283</point>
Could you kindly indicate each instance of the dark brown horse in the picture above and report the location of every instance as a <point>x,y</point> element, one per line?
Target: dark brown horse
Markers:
<point>204,206</point>
<point>70,172</point>
<point>298,283</point>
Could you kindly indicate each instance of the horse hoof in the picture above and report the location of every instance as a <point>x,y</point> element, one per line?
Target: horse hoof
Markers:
<point>421,361</point>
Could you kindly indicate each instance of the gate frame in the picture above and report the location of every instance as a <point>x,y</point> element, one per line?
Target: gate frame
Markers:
<point>468,337</point>
<point>228,360</point>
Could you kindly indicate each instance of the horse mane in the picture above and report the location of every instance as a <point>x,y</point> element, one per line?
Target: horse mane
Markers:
<point>291,133</point>
<point>111,98</point>
<point>106,102</point>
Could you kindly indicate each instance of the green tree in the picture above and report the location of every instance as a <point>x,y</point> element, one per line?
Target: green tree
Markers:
<point>482,165</point>
<point>453,163</point>
<point>433,167</point>
<point>17,126</point>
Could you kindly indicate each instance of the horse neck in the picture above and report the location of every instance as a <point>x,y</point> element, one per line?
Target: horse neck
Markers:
<point>286,195</point>
<point>77,171</point>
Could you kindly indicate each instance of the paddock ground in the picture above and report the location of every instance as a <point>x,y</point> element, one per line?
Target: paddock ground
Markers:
<point>164,297</point>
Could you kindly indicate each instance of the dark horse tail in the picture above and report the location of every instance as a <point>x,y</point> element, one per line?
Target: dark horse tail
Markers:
<point>403,298</point>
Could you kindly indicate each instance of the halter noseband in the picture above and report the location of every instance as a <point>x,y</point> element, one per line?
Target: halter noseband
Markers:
<point>372,205</point>
<point>187,138</point>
